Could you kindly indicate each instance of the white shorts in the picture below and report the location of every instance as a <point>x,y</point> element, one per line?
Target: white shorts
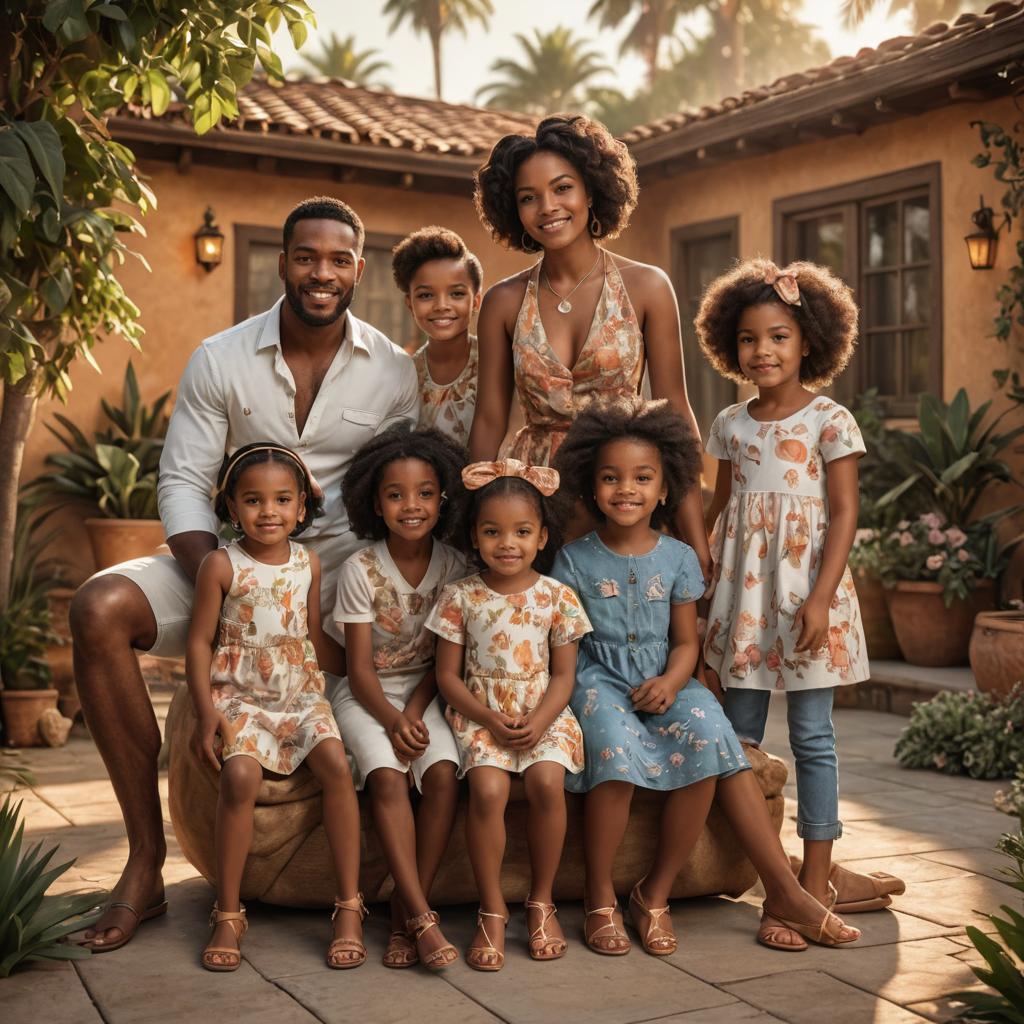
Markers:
<point>368,744</point>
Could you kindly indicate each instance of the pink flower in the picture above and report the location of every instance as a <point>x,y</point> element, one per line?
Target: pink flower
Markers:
<point>676,760</point>
<point>955,536</point>
<point>935,562</point>
<point>963,555</point>
<point>697,712</point>
<point>906,539</point>
<point>936,537</point>
<point>932,520</point>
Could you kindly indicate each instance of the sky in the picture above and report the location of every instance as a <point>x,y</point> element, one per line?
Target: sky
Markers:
<point>466,62</point>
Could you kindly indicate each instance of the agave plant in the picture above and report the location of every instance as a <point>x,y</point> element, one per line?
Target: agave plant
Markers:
<point>32,924</point>
<point>116,471</point>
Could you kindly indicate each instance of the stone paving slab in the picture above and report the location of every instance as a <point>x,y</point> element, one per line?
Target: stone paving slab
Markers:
<point>47,992</point>
<point>732,1013</point>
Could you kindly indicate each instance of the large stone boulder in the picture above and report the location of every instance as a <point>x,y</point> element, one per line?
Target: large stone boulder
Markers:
<point>289,863</point>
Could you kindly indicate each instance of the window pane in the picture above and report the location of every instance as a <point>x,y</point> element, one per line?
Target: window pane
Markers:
<point>822,240</point>
<point>881,307</point>
<point>883,361</point>
<point>265,286</point>
<point>917,346</point>
<point>917,230</point>
<point>882,228</point>
<point>916,296</point>
<point>379,302</point>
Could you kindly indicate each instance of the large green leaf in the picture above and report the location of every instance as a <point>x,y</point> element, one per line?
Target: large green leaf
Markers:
<point>43,142</point>
<point>17,179</point>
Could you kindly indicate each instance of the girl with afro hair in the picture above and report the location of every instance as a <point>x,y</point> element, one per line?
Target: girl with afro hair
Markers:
<point>581,322</point>
<point>646,720</point>
<point>399,491</point>
<point>784,614</point>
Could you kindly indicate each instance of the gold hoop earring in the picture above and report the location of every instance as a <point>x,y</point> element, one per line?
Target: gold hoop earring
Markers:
<point>595,225</point>
<point>528,244</point>
<point>444,495</point>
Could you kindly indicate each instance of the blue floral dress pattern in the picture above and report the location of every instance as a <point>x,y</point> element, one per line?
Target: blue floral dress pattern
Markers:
<point>628,600</point>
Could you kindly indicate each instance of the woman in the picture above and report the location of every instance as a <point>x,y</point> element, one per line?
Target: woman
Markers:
<point>582,321</point>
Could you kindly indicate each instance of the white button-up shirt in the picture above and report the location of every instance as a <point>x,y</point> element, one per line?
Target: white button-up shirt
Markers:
<point>237,389</point>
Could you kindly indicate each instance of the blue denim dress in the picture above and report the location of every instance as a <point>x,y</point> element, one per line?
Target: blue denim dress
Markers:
<point>628,600</point>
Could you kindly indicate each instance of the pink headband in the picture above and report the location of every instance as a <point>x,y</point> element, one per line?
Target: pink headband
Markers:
<point>480,474</point>
<point>784,283</point>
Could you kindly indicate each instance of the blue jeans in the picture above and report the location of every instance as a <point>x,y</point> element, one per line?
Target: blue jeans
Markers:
<point>812,738</point>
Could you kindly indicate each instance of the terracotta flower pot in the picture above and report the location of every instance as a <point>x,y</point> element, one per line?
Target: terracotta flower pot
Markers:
<point>874,614</point>
<point>928,632</point>
<point>22,711</point>
<point>60,656</point>
<point>119,540</point>
<point>997,651</point>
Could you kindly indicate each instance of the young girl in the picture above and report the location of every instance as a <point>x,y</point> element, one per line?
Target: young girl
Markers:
<point>505,663</point>
<point>646,721</point>
<point>254,650</point>
<point>784,614</point>
<point>441,281</point>
<point>397,493</point>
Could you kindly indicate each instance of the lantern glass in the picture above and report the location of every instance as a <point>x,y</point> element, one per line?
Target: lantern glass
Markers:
<point>981,250</point>
<point>209,243</point>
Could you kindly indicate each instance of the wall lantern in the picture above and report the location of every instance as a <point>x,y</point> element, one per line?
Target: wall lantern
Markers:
<point>981,244</point>
<point>210,243</point>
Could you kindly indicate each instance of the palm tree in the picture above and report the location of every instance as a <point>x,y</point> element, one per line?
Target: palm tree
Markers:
<point>435,17</point>
<point>556,68</point>
<point>339,58</point>
<point>923,12</point>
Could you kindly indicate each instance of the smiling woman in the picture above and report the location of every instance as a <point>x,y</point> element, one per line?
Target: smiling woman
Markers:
<point>582,322</point>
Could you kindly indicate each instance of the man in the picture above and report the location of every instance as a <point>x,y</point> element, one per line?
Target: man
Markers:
<point>306,374</point>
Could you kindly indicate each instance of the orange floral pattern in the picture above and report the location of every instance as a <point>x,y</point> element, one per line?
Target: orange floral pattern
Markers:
<point>767,547</point>
<point>449,407</point>
<point>610,363</point>
<point>508,638</point>
<point>265,676</point>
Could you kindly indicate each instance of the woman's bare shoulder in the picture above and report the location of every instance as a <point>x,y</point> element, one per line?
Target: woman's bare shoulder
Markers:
<point>641,278</point>
<point>509,291</point>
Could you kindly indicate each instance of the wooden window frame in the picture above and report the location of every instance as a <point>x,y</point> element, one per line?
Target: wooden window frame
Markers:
<point>852,198</point>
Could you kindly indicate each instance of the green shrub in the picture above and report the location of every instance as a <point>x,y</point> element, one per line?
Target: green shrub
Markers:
<point>975,734</point>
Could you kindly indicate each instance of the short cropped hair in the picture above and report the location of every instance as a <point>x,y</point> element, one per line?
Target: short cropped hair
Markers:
<point>324,208</point>
<point>432,243</point>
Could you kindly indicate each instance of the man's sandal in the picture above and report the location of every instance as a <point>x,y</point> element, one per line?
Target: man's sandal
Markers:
<point>230,959</point>
<point>655,938</point>
<point>884,887</point>
<point>98,945</point>
<point>541,945</point>
<point>826,932</point>
<point>770,934</point>
<point>475,954</point>
<point>401,951</point>
<point>614,943</point>
<point>343,954</point>
<point>438,959</point>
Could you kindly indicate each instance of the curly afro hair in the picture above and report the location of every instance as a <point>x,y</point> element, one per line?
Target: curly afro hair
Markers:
<point>654,423</point>
<point>550,512</point>
<point>324,208</point>
<point>402,441</point>
<point>432,243</point>
<point>607,169</point>
<point>255,454</point>
<point>827,317</point>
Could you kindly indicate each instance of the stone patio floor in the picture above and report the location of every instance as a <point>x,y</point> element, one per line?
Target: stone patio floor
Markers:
<point>935,831</point>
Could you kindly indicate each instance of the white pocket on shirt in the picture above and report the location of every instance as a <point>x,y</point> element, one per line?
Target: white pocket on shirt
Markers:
<point>359,425</point>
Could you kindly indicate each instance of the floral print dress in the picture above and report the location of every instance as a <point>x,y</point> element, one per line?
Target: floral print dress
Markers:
<point>611,363</point>
<point>508,639</point>
<point>628,599</point>
<point>767,547</point>
<point>265,677</point>
<point>449,407</point>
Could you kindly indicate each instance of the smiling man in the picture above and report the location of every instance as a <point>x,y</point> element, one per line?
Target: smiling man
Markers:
<point>306,374</point>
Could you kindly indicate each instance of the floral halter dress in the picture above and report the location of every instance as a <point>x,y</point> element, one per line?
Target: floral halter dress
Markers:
<point>611,363</point>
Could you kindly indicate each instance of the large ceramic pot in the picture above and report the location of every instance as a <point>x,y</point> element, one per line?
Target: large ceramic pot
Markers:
<point>119,540</point>
<point>60,655</point>
<point>928,632</point>
<point>874,614</point>
<point>22,711</point>
<point>997,651</point>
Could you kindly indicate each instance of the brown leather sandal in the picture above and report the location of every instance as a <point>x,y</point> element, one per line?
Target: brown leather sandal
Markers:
<point>440,958</point>
<point>401,951</point>
<point>769,934</point>
<point>347,946</point>
<point>475,954</point>
<point>232,957</point>
<point>603,943</point>
<point>825,932</point>
<point>655,938</point>
<point>541,945</point>
<point>97,945</point>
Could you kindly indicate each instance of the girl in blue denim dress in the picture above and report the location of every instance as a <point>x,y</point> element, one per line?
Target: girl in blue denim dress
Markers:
<point>646,721</point>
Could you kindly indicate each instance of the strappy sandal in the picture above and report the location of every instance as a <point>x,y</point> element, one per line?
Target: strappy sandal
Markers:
<point>239,925</point>
<point>602,943</point>
<point>656,938</point>
<point>825,932</point>
<point>475,954</point>
<point>97,945</point>
<point>401,951</point>
<point>541,945</point>
<point>353,946</point>
<point>769,935</point>
<point>885,886</point>
<point>439,959</point>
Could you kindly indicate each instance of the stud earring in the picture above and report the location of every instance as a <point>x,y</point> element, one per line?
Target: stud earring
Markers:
<point>662,501</point>
<point>444,495</point>
<point>236,526</point>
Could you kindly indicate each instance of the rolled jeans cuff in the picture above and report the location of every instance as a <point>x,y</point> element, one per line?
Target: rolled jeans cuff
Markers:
<point>806,830</point>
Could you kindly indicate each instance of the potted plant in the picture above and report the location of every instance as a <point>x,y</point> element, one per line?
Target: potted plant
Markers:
<point>114,473</point>
<point>942,564</point>
<point>997,649</point>
<point>865,564</point>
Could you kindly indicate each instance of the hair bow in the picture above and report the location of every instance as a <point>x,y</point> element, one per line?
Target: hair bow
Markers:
<point>784,283</point>
<point>480,474</point>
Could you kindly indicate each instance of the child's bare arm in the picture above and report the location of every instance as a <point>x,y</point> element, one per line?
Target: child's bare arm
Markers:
<point>330,655</point>
<point>657,694</point>
<point>723,491</point>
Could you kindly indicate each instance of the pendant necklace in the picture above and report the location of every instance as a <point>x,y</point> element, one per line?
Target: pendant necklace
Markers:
<point>565,306</point>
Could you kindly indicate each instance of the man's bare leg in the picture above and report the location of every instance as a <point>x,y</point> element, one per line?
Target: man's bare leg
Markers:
<point>110,617</point>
